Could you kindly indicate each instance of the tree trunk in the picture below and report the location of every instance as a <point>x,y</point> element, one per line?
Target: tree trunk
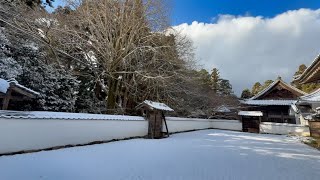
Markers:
<point>112,96</point>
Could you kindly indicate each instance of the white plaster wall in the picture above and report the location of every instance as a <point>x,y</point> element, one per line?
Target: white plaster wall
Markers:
<point>33,134</point>
<point>234,125</point>
<point>176,124</point>
<point>283,128</point>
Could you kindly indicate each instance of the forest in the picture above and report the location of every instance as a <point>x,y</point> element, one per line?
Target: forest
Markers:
<point>105,56</point>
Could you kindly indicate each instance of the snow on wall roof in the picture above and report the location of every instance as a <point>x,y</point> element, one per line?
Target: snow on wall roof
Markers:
<point>272,85</point>
<point>156,105</point>
<point>16,83</point>
<point>269,102</point>
<point>4,85</point>
<point>315,96</point>
<point>250,113</point>
<point>63,115</point>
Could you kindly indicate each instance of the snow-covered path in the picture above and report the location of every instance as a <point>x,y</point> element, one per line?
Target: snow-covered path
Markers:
<point>207,154</point>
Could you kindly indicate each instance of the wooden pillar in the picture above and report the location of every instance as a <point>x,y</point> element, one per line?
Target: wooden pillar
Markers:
<point>6,100</point>
<point>155,124</point>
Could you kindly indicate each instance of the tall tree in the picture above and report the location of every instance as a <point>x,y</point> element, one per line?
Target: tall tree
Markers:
<point>204,77</point>
<point>266,84</point>
<point>225,88</point>
<point>246,93</point>
<point>256,88</point>
<point>215,79</point>
<point>300,70</point>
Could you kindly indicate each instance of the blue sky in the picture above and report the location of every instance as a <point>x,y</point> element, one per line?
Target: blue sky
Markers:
<point>187,11</point>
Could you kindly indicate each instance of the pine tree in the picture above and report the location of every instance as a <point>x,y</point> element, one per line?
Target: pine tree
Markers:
<point>256,88</point>
<point>215,79</point>
<point>9,68</point>
<point>204,77</point>
<point>246,94</point>
<point>225,88</point>
<point>266,84</point>
<point>23,59</point>
<point>300,70</point>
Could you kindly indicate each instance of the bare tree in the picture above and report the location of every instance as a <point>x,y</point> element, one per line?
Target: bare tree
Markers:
<point>126,45</point>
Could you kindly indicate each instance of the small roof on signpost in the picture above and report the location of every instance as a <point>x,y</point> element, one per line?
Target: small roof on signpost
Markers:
<point>154,106</point>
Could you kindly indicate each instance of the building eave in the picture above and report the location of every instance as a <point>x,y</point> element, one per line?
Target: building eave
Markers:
<point>311,74</point>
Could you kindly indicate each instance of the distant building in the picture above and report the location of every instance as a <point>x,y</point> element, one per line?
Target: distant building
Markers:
<point>276,102</point>
<point>12,92</point>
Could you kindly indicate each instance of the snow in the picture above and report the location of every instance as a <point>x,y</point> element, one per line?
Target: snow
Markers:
<point>270,102</point>
<point>250,113</point>
<point>156,105</point>
<point>16,83</point>
<point>205,155</point>
<point>41,33</point>
<point>314,97</point>
<point>222,108</point>
<point>63,115</point>
<point>4,85</point>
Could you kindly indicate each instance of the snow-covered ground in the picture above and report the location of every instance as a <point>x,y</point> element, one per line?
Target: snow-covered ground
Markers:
<point>207,154</point>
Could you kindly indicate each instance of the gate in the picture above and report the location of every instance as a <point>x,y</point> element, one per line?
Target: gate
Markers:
<point>251,124</point>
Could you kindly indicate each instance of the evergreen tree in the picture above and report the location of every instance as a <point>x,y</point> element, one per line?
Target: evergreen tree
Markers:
<point>6,60</point>
<point>225,88</point>
<point>23,59</point>
<point>266,84</point>
<point>256,88</point>
<point>300,70</point>
<point>246,94</point>
<point>204,77</point>
<point>215,79</point>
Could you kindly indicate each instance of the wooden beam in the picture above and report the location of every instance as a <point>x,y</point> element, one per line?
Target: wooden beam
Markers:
<point>23,92</point>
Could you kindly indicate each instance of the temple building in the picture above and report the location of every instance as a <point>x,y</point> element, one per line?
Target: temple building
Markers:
<point>311,74</point>
<point>276,102</point>
<point>309,103</point>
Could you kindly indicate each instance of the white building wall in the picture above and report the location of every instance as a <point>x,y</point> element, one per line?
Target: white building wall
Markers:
<point>30,134</point>
<point>186,124</point>
<point>35,134</point>
<point>283,128</point>
<point>234,125</point>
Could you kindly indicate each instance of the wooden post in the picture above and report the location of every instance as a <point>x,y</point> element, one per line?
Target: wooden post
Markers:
<point>165,123</point>
<point>6,100</point>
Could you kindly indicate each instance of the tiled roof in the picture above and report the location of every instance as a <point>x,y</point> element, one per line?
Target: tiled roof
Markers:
<point>307,73</point>
<point>315,96</point>
<point>5,85</point>
<point>274,84</point>
<point>269,102</point>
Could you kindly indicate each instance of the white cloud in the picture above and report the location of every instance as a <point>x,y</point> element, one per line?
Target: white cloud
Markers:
<point>250,49</point>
